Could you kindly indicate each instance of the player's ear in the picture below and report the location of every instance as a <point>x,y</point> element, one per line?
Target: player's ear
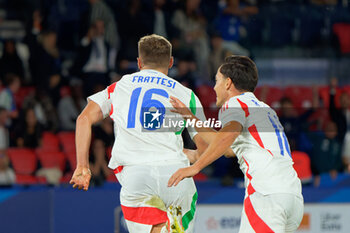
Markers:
<point>171,62</point>
<point>139,63</point>
<point>228,83</point>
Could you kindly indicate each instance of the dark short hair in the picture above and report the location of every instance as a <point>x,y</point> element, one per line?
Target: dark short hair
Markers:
<point>242,71</point>
<point>10,78</point>
<point>155,50</point>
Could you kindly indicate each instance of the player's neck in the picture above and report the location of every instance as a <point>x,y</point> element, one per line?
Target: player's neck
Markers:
<point>162,70</point>
<point>234,93</point>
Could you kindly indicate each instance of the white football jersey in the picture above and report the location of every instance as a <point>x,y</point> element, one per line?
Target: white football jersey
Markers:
<point>262,148</point>
<point>139,105</point>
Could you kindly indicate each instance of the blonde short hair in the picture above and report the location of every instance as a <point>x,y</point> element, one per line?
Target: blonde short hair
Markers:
<point>154,51</point>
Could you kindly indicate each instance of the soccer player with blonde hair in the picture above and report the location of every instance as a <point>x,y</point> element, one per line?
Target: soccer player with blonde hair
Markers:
<point>143,158</point>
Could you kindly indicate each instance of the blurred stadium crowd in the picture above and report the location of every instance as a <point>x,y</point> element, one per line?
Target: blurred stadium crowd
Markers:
<point>54,53</point>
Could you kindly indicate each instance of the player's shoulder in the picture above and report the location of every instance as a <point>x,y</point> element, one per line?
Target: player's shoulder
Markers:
<point>184,88</point>
<point>127,77</point>
<point>246,99</point>
<point>242,101</point>
<point>187,94</point>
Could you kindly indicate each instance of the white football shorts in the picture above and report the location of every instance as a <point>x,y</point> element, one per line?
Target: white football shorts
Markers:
<point>147,200</point>
<point>278,213</point>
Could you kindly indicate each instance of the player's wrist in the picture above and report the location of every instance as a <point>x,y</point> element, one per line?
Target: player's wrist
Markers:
<point>196,167</point>
<point>83,165</point>
<point>192,117</point>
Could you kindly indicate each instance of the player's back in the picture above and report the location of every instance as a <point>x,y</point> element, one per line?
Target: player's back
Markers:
<point>140,102</point>
<point>262,148</point>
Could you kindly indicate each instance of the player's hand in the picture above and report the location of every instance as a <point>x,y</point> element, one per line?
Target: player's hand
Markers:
<point>182,173</point>
<point>81,178</point>
<point>180,108</point>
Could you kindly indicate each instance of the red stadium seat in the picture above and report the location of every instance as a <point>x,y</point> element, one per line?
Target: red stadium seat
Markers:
<point>65,91</point>
<point>67,177</point>
<point>67,140</point>
<point>301,96</point>
<point>51,159</point>
<point>342,30</point>
<point>318,119</point>
<point>273,95</point>
<point>27,179</point>
<point>324,95</point>
<point>24,163</point>
<point>200,177</point>
<point>302,166</point>
<point>50,142</point>
<point>346,89</point>
<point>207,96</point>
<point>22,93</point>
<point>71,157</point>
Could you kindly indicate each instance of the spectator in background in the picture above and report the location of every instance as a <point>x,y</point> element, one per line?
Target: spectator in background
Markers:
<point>217,54</point>
<point>132,28</point>
<point>295,125</point>
<point>159,20</point>
<point>7,99</point>
<point>104,132</point>
<point>70,106</point>
<point>43,108</point>
<point>10,62</point>
<point>33,30</point>
<point>92,63</point>
<point>326,152</point>
<point>98,163</point>
<point>101,11</point>
<point>192,27</point>
<point>46,65</point>
<point>28,133</point>
<point>7,175</point>
<point>341,117</point>
<point>4,133</point>
<point>229,24</point>
<point>185,69</point>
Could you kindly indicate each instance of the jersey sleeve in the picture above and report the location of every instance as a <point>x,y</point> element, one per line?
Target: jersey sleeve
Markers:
<point>101,98</point>
<point>197,109</point>
<point>233,110</point>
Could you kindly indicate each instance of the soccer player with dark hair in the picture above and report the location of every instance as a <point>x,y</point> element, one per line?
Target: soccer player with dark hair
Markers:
<point>273,200</point>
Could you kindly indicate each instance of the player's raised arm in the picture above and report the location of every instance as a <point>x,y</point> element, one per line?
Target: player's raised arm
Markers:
<point>221,142</point>
<point>90,115</point>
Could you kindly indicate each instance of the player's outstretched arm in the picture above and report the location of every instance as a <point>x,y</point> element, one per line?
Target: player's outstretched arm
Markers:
<point>223,139</point>
<point>194,155</point>
<point>207,133</point>
<point>90,115</point>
